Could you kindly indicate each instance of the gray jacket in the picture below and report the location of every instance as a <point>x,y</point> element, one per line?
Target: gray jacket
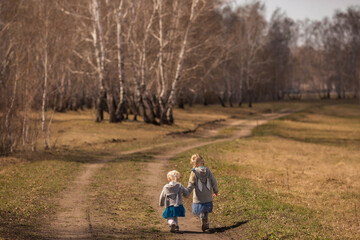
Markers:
<point>172,193</point>
<point>205,184</point>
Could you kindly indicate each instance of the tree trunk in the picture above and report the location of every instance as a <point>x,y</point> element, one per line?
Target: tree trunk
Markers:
<point>44,95</point>
<point>240,91</point>
<point>169,115</point>
<point>121,108</point>
<point>99,47</point>
<point>221,101</point>
<point>45,83</point>
<point>166,114</point>
<point>231,99</point>
<point>111,107</point>
<point>8,113</point>
<point>250,97</point>
<point>151,110</point>
<point>100,102</point>
<point>60,104</point>
<point>162,83</point>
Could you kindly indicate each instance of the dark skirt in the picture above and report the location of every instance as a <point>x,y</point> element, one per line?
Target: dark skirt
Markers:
<point>198,208</point>
<point>174,211</point>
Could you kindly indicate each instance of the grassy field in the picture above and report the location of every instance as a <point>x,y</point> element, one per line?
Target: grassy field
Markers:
<point>295,177</point>
<point>27,189</point>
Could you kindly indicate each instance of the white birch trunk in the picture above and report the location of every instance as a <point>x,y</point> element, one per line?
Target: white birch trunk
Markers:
<point>172,97</point>
<point>240,86</point>
<point>140,91</point>
<point>162,83</point>
<point>25,120</point>
<point>171,54</point>
<point>11,107</point>
<point>98,41</point>
<point>100,56</point>
<point>45,86</point>
<point>146,35</point>
<point>140,73</point>
<point>120,58</point>
<point>119,52</point>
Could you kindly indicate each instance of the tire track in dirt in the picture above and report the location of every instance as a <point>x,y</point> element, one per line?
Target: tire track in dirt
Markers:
<point>190,227</point>
<point>72,220</point>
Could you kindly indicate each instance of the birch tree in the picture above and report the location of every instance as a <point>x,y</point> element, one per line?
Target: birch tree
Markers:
<point>139,45</point>
<point>120,59</point>
<point>351,25</point>
<point>100,55</point>
<point>45,82</point>
<point>166,115</point>
<point>278,45</point>
<point>251,45</point>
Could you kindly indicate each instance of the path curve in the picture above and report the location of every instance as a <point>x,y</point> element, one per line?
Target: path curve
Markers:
<point>72,220</point>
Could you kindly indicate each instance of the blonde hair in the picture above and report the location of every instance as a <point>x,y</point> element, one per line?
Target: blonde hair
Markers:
<point>173,176</point>
<point>196,160</point>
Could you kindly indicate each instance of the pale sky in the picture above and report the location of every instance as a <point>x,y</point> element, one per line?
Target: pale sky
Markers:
<point>301,9</point>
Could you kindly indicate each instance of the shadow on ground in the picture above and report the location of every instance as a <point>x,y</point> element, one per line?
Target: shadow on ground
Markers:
<point>12,228</point>
<point>216,230</point>
<point>223,229</point>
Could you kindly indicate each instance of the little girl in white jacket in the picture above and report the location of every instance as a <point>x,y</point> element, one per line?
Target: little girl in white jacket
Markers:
<point>171,198</point>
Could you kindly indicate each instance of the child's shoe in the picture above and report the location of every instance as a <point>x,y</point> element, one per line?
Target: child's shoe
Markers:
<point>207,225</point>
<point>177,229</point>
<point>173,227</point>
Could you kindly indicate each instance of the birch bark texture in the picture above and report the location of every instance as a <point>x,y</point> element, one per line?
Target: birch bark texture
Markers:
<point>166,107</point>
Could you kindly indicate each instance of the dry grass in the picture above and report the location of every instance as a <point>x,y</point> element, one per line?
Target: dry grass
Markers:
<point>322,178</point>
<point>309,159</point>
<point>27,190</point>
<point>78,130</point>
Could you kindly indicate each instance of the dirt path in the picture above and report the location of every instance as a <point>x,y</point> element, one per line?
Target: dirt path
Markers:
<point>73,221</point>
<point>190,225</point>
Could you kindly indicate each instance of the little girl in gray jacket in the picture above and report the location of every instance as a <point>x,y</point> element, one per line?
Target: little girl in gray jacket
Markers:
<point>205,185</point>
<point>171,198</point>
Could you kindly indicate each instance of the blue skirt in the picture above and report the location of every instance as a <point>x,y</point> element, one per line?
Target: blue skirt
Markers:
<point>174,211</point>
<point>198,208</point>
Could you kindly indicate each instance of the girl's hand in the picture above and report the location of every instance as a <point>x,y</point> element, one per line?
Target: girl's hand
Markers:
<point>214,195</point>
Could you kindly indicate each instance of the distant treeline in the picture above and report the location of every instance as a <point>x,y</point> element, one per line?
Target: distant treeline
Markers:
<point>144,57</point>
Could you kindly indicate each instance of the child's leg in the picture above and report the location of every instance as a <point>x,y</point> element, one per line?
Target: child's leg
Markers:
<point>177,224</point>
<point>204,215</point>
<point>172,220</point>
<point>204,221</point>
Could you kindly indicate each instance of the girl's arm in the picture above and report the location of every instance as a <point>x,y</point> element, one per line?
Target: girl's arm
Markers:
<point>185,191</point>
<point>214,184</point>
<point>162,198</point>
<point>191,184</point>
